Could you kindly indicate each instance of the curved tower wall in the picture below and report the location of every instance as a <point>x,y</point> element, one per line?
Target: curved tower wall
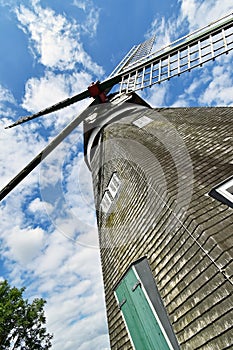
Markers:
<point>152,171</point>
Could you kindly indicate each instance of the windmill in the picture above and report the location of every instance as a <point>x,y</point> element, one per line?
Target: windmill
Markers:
<point>138,70</point>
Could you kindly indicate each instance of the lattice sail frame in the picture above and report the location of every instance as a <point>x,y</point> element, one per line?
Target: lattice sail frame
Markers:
<point>178,57</point>
<point>136,53</point>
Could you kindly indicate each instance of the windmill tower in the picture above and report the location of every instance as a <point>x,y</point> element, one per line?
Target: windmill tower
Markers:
<point>162,181</point>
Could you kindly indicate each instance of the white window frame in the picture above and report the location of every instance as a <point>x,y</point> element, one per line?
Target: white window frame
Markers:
<point>221,193</point>
<point>224,192</point>
<point>111,193</point>
<point>106,202</point>
<point>142,121</point>
<point>114,185</point>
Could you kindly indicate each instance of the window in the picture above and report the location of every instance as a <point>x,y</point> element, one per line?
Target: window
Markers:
<point>106,202</point>
<point>141,306</point>
<point>143,121</point>
<point>114,185</point>
<point>224,192</point>
<point>110,194</point>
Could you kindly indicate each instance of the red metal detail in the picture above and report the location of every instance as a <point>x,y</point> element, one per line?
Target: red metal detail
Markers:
<point>94,91</point>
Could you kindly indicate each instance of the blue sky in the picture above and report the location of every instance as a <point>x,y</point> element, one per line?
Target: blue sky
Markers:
<point>51,50</point>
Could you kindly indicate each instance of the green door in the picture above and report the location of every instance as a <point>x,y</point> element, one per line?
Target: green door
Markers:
<point>142,325</point>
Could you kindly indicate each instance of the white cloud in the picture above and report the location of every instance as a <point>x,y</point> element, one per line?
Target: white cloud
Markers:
<point>54,39</point>
<point>37,205</point>
<point>66,274</point>
<point>92,12</point>
<point>6,95</point>
<point>82,4</point>
<point>43,92</point>
<point>211,84</point>
<point>7,102</point>
<point>165,31</point>
<point>24,244</point>
<point>42,258</point>
<point>219,91</point>
<point>91,24</point>
<point>70,192</point>
<point>7,2</point>
<point>192,84</point>
<point>56,252</point>
<point>157,96</point>
<point>195,85</point>
<point>79,189</point>
<point>69,275</point>
<point>200,13</point>
<point>22,148</point>
<point>52,88</point>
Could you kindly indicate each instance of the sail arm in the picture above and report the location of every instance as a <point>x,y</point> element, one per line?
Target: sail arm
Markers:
<point>41,156</point>
<point>182,55</point>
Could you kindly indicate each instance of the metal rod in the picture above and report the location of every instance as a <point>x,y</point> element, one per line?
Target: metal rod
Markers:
<point>178,62</point>
<point>211,46</point>
<point>168,67</point>
<point>143,74</point>
<point>160,68</point>
<point>151,73</point>
<point>188,57</point>
<point>224,40</point>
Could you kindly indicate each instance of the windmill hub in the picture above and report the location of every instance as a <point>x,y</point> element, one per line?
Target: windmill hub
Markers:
<point>96,92</point>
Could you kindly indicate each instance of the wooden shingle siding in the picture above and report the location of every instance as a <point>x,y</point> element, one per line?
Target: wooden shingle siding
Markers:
<point>164,212</point>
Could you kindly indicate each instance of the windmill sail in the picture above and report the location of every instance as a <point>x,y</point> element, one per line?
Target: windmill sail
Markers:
<point>54,108</point>
<point>139,70</point>
<point>105,85</point>
<point>136,53</point>
<point>180,56</point>
<point>41,156</point>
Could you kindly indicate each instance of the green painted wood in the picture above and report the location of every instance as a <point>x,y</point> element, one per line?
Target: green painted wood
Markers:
<point>142,325</point>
